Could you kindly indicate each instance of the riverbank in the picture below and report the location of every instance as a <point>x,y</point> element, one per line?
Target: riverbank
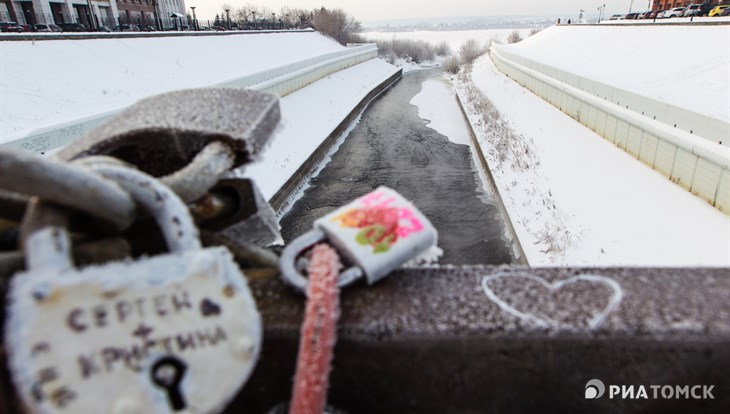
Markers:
<point>575,199</point>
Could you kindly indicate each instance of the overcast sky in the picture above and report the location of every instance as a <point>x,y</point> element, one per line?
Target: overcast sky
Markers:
<point>370,10</point>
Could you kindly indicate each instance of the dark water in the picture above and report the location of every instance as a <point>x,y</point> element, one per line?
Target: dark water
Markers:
<point>392,146</point>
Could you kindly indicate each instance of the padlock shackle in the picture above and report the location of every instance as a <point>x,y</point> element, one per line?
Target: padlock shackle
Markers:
<point>200,175</point>
<point>67,185</point>
<point>169,211</point>
<point>46,240</point>
<point>44,237</point>
<point>288,261</point>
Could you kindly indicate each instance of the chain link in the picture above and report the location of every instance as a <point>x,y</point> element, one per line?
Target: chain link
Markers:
<point>66,185</point>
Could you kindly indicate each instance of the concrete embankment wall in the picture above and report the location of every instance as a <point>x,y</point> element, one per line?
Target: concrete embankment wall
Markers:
<point>695,163</point>
<point>280,75</point>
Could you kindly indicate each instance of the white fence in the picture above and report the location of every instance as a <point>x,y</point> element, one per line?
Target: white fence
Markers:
<point>281,81</point>
<point>695,163</point>
<point>713,129</point>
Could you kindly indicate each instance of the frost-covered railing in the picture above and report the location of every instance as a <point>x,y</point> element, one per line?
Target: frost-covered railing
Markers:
<point>281,81</point>
<point>695,163</point>
<point>703,125</point>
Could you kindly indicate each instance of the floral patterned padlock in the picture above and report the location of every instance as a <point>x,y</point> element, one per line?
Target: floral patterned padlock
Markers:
<point>377,233</point>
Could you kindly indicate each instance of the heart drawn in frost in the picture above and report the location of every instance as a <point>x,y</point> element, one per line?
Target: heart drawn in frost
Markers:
<point>522,295</point>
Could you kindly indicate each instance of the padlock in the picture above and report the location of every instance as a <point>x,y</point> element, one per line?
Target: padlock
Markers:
<point>163,133</point>
<point>236,210</point>
<point>173,333</point>
<point>377,233</point>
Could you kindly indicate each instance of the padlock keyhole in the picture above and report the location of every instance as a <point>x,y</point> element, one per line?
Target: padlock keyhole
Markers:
<point>167,373</point>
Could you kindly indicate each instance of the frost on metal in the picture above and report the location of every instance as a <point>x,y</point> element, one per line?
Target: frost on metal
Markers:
<point>164,132</point>
<point>172,331</point>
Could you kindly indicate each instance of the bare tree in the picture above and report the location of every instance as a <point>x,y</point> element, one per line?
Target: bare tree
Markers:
<point>336,24</point>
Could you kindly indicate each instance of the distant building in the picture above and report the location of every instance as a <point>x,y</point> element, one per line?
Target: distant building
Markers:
<point>91,13</point>
<point>138,12</point>
<point>94,13</point>
<point>172,14</point>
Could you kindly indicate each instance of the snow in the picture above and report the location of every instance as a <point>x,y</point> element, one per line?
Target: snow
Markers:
<point>692,73</point>
<point>437,104</point>
<point>607,207</point>
<point>309,116</point>
<point>44,83</point>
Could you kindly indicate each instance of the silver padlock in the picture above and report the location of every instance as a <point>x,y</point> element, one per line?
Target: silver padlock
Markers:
<point>174,333</point>
<point>377,233</point>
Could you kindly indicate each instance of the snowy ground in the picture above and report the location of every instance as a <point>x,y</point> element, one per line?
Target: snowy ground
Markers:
<point>47,82</point>
<point>436,103</point>
<point>309,116</point>
<point>693,73</point>
<point>600,206</point>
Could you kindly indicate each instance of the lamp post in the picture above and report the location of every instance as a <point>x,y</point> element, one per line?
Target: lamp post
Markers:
<point>195,19</point>
<point>158,22</point>
<point>273,21</point>
<point>91,14</point>
<point>228,18</point>
<point>253,13</point>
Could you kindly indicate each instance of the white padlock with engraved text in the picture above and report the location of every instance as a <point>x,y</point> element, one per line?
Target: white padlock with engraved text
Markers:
<point>174,333</point>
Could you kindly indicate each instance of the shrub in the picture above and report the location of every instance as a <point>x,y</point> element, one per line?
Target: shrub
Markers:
<point>414,50</point>
<point>443,49</point>
<point>451,64</point>
<point>514,37</point>
<point>534,31</point>
<point>470,51</point>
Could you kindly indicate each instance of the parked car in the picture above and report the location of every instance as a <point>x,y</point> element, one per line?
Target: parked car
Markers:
<point>675,12</point>
<point>10,27</point>
<point>41,28</point>
<point>705,8</point>
<point>148,28</point>
<point>692,10</point>
<point>631,16</point>
<point>73,27</point>
<point>127,28</point>
<point>725,12</point>
<point>54,28</point>
<point>617,17</point>
<point>717,10</point>
<point>655,14</point>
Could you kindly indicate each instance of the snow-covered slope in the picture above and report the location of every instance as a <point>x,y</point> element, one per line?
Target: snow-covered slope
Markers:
<point>694,73</point>
<point>43,83</point>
